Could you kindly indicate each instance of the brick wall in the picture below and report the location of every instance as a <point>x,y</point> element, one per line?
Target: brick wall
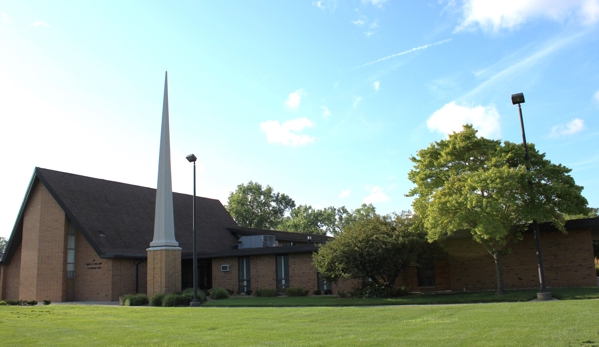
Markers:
<point>43,258</point>
<point>263,271</point>
<point>10,277</point>
<point>409,278</point>
<point>123,277</point>
<point>568,262</point>
<point>163,271</point>
<point>301,271</point>
<point>93,275</point>
<point>227,279</point>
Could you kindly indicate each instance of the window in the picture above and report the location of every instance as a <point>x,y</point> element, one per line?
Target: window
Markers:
<point>426,275</point>
<point>71,252</point>
<point>244,274</point>
<point>322,283</point>
<point>282,272</point>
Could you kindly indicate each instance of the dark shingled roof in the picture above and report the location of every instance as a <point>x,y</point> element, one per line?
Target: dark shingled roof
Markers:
<point>117,220</point>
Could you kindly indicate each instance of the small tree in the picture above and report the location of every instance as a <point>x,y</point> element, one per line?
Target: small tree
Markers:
<point>379,247</point>
<point>481,185</point>
<point>3,243</point>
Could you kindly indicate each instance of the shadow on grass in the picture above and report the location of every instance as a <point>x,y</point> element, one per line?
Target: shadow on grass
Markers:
<point>414,299</point>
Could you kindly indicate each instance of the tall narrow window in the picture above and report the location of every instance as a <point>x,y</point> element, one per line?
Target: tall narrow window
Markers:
<point>244,274</point>
<point>322,283</point>
<point>282,272</point>
<point>426,275</point>
<point>71,252</point>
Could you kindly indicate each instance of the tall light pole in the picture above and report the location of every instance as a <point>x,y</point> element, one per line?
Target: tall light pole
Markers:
<point>543,294</point>
<point>194,302</point>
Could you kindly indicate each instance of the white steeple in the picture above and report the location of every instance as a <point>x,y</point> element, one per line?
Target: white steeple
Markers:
<point>164,222</point>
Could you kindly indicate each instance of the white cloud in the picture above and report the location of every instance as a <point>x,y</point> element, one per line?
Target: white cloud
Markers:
<point>357,100</point>
<point>43,24</point>
<point>596,96</point>
<point>326,4</point>
<point>509,14</point>
<point>575,126</point>
<point>287,133</point>
<point>376,195</point>
<point>294,99</point>
<point>452,117</point>
<point>358,22</point>
<point>376,85</point>
<point>344,194</point>
<point>326,113</point>
<point>5,18</point>
<point>378,3</point>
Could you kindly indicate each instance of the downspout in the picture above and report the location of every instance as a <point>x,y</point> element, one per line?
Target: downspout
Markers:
<point>137,274</point>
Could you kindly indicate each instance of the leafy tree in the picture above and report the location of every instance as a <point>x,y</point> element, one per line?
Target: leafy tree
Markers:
<point>306,219</point>
<point>379,247</point>
<point>3,242</point>
<point>485,186</point>
<point>255,207</point>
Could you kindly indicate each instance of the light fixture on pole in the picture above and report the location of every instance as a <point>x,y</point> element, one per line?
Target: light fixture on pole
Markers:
<point>194,302</point>
<point>518,99</point>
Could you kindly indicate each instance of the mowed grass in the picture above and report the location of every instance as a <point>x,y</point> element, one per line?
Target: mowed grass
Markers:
<point>552,323</point>
<point>421,299</point>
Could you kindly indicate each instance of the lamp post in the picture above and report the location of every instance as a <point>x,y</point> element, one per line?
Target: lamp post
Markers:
<point>194,302</point>
<point>518,99</point>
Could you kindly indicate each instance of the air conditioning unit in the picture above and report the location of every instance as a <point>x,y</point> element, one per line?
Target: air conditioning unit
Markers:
<point>225,267</point>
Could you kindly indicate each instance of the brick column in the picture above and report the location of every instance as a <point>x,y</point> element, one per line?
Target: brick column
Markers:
<point>164,270</point>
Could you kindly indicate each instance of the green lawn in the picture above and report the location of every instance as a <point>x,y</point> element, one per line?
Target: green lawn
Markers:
<point>423,299</point>
<point>553,323</point>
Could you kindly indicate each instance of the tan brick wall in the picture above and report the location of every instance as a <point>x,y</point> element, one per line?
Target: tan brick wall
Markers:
<point>263,271</point>
<point>123,277</point>
<point>442,278</point>
<point>163,271</point>
<point>10,277</point>
<point>43,266</point>
<point>301,271</point>
<point>93,275</point>
<point>227,279</point>
<point>568,262</point>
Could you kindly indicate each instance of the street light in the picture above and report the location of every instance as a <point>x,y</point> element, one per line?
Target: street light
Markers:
<point>543,294</point>
<point>194,302</point>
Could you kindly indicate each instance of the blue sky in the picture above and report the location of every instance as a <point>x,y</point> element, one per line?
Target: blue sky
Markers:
<point>323,100</point>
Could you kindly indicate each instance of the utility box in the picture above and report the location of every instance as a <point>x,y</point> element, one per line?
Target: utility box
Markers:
<point>257,241</point>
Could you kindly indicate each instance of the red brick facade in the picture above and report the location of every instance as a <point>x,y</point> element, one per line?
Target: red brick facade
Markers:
<point>568,262</point>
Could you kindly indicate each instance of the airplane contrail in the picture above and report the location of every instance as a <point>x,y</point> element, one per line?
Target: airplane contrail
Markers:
<point>402,53</point>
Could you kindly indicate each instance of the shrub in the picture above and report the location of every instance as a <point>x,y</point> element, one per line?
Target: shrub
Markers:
<point>3,303</point>
<point>47,302</point>
<point>328,291</point>
<point>12,302</point>
<point>342,294</point>
<point>201,294</point>
<point>219,293</point>
<point>266,292</point>
<point>296,291</point>
<point>176,299</point>
<point>597,269</point>
<point>157,299</point>
<point>31,302</point>
<point>400,291</point>
<point>230,291</point>
<point>134,300</point>
<point>317,292</point>
<point>248,292</point>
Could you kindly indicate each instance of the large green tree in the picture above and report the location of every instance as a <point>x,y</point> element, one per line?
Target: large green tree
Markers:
<point>3,242</point>
<point>253,206</point>
<point>485,186</point>
<point>379,247</point>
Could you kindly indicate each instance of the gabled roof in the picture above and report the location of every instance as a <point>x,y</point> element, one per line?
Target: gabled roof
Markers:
<point>117,219</point>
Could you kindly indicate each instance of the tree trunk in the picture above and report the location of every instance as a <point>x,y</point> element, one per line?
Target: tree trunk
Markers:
<point>499,272</point>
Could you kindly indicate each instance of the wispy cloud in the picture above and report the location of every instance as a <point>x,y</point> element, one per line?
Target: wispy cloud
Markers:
<point>358,22</point>
<point>415,49</point>
<point>500,72</point>
<point>376,195</point>
<point>5,18</point>
<point>41,24</point>
<point>294,99</point>
<point>344,194</point>
<point>378,3</point>
<point>571,128</point>
<point>596,96</point>
<point>376,85</point>
<point>509,14</point>
<point>326,4</point>
<point>451,117</point>
<point>357,100</point>
<point>287,133</point>
<point>326,113</point>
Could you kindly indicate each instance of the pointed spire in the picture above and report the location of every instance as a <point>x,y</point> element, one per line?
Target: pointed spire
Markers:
<point>164,222</point>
